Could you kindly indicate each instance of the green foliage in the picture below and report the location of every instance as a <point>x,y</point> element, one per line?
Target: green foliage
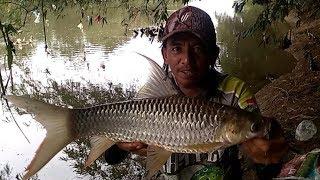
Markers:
<point>7,29</point>
<point>6,174</point>
<point>17,12</point>
<point>276,11</point>
<point>160,13</point>
<point>254,64</point>
<point>77,153</point>
<point>308,165</point>
<point>238,6</point>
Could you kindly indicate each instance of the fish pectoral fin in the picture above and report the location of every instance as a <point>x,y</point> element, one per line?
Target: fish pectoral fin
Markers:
<point>156,157</point>
<point>99,144</point>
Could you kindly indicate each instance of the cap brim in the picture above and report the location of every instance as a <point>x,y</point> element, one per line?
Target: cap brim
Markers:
<point>179,31</point>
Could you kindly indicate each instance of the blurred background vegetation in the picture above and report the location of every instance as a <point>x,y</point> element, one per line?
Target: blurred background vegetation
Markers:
<point>16,13</point>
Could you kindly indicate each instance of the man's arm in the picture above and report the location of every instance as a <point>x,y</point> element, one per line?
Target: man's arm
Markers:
<point>115,155</point>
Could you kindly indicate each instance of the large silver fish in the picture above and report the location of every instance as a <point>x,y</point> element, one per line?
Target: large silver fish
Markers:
<point>167,122</point>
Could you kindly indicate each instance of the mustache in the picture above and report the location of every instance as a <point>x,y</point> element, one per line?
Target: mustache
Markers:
<point>185,68</point>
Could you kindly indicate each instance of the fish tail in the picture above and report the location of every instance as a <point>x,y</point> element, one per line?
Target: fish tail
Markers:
<point>58,124</point>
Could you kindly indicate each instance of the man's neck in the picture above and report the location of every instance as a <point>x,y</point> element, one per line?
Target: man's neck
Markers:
<point>191,92</point>
<point>196,89</point>
<point>207,87</point>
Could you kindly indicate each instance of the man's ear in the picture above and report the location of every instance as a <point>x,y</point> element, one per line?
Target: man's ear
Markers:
<point>164,55</point>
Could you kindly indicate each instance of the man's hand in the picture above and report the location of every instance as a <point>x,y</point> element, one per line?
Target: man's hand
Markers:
<point>264,151</point>
<point>134,147</point>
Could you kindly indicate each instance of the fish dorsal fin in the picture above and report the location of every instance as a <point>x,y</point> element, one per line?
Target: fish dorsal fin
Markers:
<point>158,84</point>
<point>156,157</point>
<point>99,144</point>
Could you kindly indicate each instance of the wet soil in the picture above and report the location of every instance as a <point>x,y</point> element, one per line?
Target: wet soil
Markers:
<point>295,96</point>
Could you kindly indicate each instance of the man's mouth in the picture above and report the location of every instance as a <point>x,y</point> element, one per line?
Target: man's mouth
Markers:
<point>187,73</point>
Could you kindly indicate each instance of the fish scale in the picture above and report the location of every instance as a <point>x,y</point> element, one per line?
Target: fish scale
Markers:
<point>174,122</point>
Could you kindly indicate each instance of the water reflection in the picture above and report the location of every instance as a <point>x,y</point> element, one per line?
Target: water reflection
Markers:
<point>17,153</point>
<point>99,65</point>
<point>81,69</point>
<point>70,94</point>
<point>251,59</point>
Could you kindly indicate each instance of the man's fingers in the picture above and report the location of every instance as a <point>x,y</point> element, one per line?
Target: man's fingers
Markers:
<point>257,145</point>
<point>131,146</point>
<point>261,143</point>
<point>141,152</point>
<point>264,151</point>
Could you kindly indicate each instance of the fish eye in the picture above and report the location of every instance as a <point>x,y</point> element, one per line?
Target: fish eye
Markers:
<point>254,127</point>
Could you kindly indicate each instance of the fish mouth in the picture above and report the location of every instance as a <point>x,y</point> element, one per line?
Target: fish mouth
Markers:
<point>252,135</point>
<point>261,133</point>
<point>259,129</point>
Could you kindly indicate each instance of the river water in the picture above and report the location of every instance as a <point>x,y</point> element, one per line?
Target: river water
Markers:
<point>82,63</point>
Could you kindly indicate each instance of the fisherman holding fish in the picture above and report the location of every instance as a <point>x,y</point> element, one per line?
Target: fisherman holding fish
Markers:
<point>190,51</point>
<point>188,119</point>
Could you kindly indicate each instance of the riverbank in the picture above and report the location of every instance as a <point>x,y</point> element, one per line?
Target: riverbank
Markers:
<point>295,96</point>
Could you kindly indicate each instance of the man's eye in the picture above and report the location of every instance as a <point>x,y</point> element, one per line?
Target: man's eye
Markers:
<point>198,49</point>
<point>175,49</point>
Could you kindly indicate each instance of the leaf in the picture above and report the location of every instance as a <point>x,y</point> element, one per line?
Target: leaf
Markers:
<point>185,2</point>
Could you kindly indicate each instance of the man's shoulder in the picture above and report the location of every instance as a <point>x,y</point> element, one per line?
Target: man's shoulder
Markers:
<point>231,84</point>
<point>235,92</point>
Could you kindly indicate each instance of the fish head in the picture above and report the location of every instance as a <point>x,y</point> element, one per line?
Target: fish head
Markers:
<point>241,126</point>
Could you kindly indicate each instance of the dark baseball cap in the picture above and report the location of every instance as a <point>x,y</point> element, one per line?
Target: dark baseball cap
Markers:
<point>193,20</point>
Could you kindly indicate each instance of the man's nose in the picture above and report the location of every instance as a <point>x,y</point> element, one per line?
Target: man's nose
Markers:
<point>188,56</point>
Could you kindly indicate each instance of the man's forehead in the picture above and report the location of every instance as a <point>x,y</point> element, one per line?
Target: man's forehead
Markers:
<point>184,36</point>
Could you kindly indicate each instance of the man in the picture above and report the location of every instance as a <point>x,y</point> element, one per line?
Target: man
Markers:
<point>189,51</point>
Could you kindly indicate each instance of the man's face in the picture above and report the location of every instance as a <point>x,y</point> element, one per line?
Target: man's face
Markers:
<point>187,58</point>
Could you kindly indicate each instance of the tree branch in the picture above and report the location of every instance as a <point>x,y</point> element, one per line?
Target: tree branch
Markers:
<point>44,25</point>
